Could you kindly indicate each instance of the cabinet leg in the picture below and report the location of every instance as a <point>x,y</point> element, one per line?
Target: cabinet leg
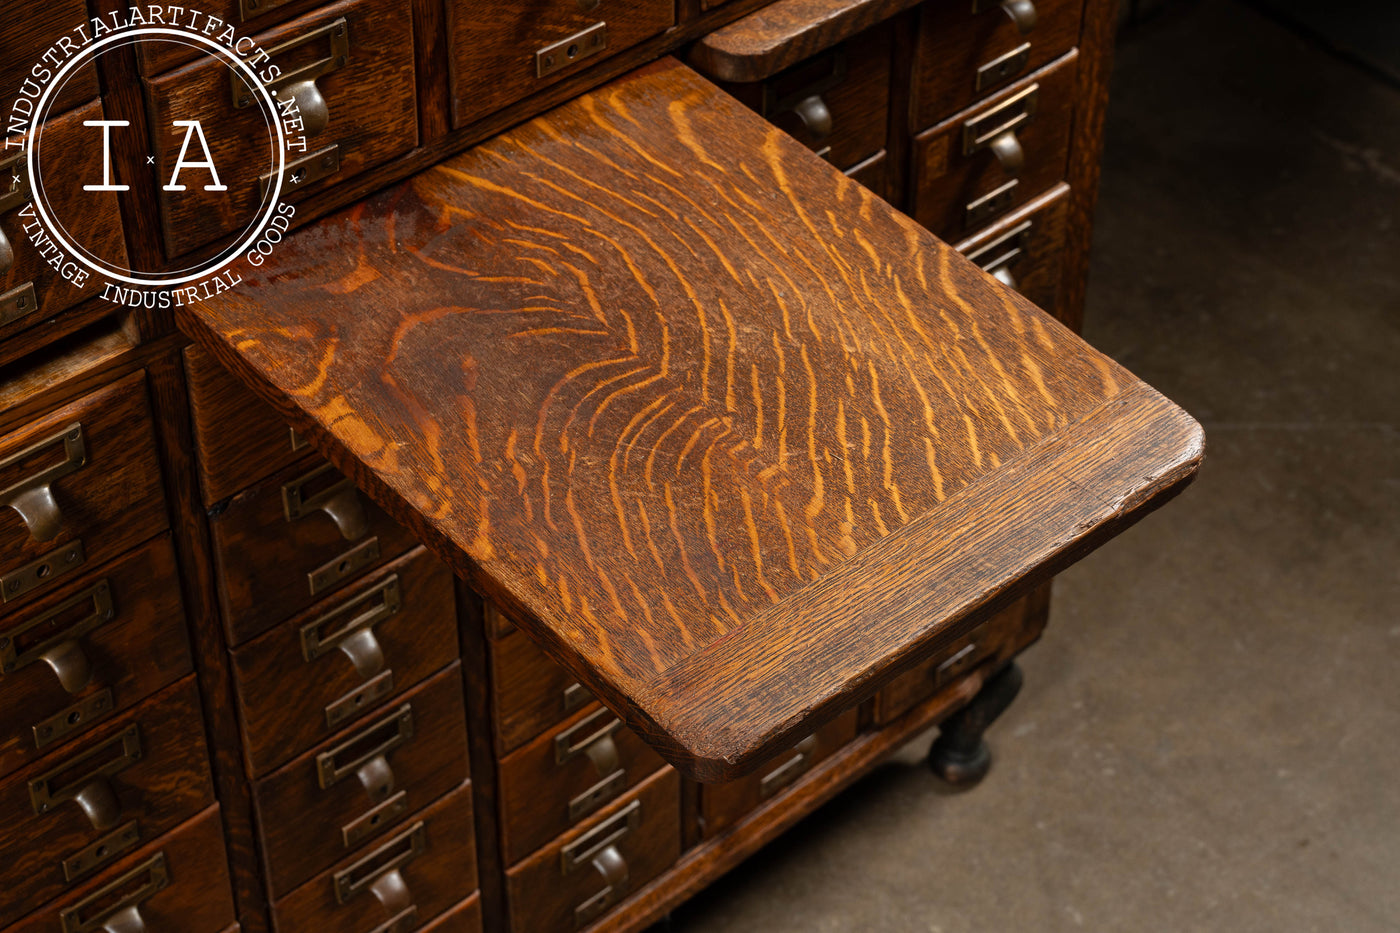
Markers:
<point>960,754</point>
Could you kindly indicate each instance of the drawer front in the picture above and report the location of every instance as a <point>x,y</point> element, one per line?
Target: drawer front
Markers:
<point>835,103</point>
<point>464,918</point>
<point>89,650</point>
<point>238,438</point>
<point>987,161</point>
<point>420,871</point>
<point>969,48</point>
<point>79,486</point>
<point>1026,249</point>
<point>504,52</point>
<point>248,17</point>
<point>28,29</point>
<point>31,289</point>
<point>723,805</point>
<point>75,811</point>
<point>179,882</point>
<point>993,642</point>
<point>348,655</point>
<point>292,541</point>
<point>348,792</point>
<point>578,879</point>
<point>530,692</point>
<point>359,113</point>
<point>873,174</point>
<point>566,776</point>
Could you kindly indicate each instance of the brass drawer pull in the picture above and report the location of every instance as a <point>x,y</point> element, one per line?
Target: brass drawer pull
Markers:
<point>88,787</point>
<point>354,636</point>
<point>123,912</point>
<point>18,301</point>
<point>379,872</point>
<point>56,637</point>
<point>32,497</point>
<point>366,755</point>
<point>340,500</point>
<point>598,849</point>
<point>996,129</point>
<point>300,83</point>
<point>598,746</point>
<point>996,259</point>
<point>807,102</point>
<point>1022,12</point>
<point>790,770</point>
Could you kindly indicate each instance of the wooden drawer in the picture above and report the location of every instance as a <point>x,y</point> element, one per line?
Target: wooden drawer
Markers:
<point>248,17</point>
<point>291,541</point>
<point>873,174</point>
<point>238,438</point>
<point>72,659</point>
<point>1026,249</point>
<point>349,791</point>
<point>28,29</point>
<point>969,48</point>
<point>76,810</point>
<point>499,50</point>
<point>835,103</point>
<point>348,655</point>
<point>31,289</point>
<point>464,918</point>
<point>571,883</point>
<point>424,869</point>
<point>179,882</point>
<point>371,115</point>
<point>722,805</point>
<point>87,476</point>
<point>960,182</point>
<point>567,775</point>
<point>993,642</point>
<point>530,692</point>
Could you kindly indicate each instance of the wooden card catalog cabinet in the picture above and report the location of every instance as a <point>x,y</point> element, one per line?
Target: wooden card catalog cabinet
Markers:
<point>612,466</point>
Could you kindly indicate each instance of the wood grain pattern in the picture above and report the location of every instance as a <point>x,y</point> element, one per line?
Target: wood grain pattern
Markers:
<point>784,33</point>
<point>300,822</point>
<point>197,898</point>
<point>416,641</point>
<point>169,783</point>
<point>143,647</point>
<point>1039,270</point>
<point>28,29</point>
<point>529,692</point>
<point>464,918</point>
<point>154,58</point>
<point>674,444</point>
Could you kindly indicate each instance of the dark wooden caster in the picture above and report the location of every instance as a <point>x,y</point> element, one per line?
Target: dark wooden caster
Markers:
<point>960,754</point>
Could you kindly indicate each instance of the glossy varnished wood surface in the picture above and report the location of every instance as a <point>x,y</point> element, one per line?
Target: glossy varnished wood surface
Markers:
<point>730,437</point>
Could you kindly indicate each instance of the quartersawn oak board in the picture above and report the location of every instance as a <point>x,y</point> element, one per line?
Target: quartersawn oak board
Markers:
<point>730,437</point>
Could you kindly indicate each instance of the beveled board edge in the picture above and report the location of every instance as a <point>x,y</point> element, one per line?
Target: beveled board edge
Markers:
<point>784,33</point>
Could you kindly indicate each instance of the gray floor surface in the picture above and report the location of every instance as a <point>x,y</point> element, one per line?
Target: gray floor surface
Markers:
<point>1209,737</point>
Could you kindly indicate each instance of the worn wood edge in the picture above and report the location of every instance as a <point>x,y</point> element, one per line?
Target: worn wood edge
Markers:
<point>711,858</point>
<point>876,629</point>
<point>766,41</point>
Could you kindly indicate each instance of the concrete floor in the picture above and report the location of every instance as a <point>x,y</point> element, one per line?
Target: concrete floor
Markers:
<point>1209,737</point>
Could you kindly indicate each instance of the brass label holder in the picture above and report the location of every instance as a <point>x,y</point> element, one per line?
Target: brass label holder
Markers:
<point>104,850</point>
<point>382,865</point>
<point>323,163</point>
<point>346,565</point>
<point>42,572</point>
<point>75,718</point>
<point>351,632</point>
<point>154,877</point>
<point>571,49</point>
<point>790,770</point>
<point>360,699</point>
<point>89,788</point>
<point>54,638</point>
<point>17,303</point>
<point>338,34</point>
<point>381,738</point>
